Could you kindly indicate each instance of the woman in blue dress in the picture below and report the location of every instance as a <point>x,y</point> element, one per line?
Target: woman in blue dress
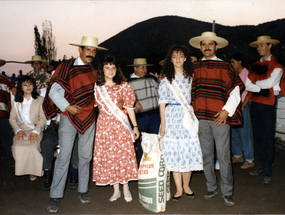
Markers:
<point>179,126</point>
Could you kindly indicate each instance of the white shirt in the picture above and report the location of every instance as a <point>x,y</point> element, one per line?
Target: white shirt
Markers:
<point>272,81</point>
<point>234,97</point>
<point>25,113</point>
<point>57,92</point>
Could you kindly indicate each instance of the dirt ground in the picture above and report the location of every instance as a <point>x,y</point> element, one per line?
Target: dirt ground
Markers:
<point>19,195</point>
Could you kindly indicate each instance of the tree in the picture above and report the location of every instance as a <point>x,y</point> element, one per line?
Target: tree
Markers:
<point>45,45</point>
<point>49,41</point>
<point>39,48</point>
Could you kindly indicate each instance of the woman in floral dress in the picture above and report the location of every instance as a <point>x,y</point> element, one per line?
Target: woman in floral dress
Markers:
<point>114,155</point>
<point>179,126</point>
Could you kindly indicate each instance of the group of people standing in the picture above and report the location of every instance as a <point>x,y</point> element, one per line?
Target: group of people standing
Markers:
<point>193,107</point>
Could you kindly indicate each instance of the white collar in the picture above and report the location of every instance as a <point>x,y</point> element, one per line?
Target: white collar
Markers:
<point>213,58</point>
<point>267,59</point>
<point>78,62</point>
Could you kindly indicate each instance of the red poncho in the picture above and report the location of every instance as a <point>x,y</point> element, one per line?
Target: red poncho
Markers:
<point>255,76</point>
<point>212,83</point>
<point>78,83</point>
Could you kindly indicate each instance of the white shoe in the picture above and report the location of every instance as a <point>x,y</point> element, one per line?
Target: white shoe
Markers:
<point>128,199</point>
<point>112,199</point>
<point>217,166</point>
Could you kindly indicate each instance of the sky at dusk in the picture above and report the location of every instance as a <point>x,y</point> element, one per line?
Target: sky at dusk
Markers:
<point>105,18</point>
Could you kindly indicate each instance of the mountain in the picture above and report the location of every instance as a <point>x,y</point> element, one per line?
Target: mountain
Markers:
<point>152,39</point>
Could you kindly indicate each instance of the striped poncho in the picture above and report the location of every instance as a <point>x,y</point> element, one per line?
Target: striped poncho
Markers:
<point>78,83</point>
<point>212,83</point>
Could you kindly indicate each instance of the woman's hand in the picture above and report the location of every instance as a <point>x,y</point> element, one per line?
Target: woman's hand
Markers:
<point>20,135</point>
<point>136,133</point>
<point>33,138</point>
<point>162,130</point>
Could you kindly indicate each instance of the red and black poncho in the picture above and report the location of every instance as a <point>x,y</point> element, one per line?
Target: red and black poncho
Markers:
<point>78,83</point>
<point>212,83</point>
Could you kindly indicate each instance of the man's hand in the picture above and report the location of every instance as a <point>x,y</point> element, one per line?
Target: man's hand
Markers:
<point>120,103</point>
<point>20,135</point>
<point>138,106</point>
<point>13,91</point>
<point>33,138</point>
<point>73,109</point>
<point>221,117</point>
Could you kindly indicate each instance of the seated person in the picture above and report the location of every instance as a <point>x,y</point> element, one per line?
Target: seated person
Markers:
<point>27,120</point>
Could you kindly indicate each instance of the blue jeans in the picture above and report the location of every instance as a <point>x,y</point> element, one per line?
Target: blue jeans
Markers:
<point>149,124</point>
<point>242,139</point>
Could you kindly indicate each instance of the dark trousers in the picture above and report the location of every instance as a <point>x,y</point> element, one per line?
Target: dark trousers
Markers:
<point>149,124</point>
<point>6,135</point>
<point>263,118</point>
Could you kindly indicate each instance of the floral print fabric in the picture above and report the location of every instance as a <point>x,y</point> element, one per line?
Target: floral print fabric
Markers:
<point>114,154</point>
<point>181,150</point>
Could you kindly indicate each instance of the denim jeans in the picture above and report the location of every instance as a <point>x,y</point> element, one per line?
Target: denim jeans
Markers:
<point>242,139</point>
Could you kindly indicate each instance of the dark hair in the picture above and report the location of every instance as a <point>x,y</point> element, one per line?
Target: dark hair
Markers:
<point>118,78</point>
<point>20,93</point>
<point>240,57</point>
<point>168,68</point>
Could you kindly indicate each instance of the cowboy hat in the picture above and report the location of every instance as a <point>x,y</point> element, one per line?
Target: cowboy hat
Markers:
<point>208,35</point>
<point>264,39</point>
<point>140,62</point>
<point>89,41</point>
<point>2,62</point>
<point>50,67</point>
<point>35,58</point>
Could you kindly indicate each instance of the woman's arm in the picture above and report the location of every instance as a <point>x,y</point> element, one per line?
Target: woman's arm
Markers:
<point>162,118</point>
<point>132,116</point>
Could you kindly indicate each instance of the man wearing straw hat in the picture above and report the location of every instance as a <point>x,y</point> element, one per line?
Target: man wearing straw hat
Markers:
<point>71,93</point>
<point>215,99</point>
<point>42,77</point>
<point>146,107</point>
<point>263,85</point>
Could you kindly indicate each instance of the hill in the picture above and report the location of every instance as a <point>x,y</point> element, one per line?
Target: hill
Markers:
<point>152,39</point>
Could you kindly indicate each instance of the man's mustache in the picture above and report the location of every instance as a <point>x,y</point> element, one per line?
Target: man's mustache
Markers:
<point>207,50</point>
<point>90,57</point>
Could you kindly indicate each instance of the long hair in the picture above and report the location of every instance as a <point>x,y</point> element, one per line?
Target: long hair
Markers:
<point>168,67</point>
<point>118,78</point>
<point>19,97</point>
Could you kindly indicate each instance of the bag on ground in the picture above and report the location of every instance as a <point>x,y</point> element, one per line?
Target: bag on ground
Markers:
<point>154,183</point>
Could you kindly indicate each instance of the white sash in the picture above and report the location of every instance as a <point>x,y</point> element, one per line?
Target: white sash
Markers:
<point>18,108</point>
<point>190,121</point>
<point>114,108</point>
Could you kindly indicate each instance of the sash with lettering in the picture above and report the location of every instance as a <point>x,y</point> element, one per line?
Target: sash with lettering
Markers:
<point>78,83</point>
<point>19,110</point>
<point>190,121</point>
<point>119,114</point>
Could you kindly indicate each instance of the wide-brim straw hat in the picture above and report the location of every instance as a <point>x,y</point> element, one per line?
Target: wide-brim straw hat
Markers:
<point>89,41</point>
<point>264,39</point>
<point>140,62</point>
<point>208,35</point>
<point>50,67</point>
<point>35,58</point>
<point>2,62</point>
